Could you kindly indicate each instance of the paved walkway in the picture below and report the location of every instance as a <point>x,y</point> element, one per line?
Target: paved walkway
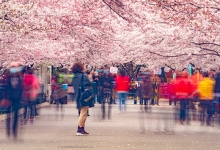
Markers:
<point>122,131</point>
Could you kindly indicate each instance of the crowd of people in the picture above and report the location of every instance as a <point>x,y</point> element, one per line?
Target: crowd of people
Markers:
<point>196,95</point>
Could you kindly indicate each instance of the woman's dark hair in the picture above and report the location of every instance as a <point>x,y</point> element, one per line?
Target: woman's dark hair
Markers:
<point>77,68</point>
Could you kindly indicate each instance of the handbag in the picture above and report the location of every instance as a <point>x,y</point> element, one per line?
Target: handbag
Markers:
<point>86,96</point>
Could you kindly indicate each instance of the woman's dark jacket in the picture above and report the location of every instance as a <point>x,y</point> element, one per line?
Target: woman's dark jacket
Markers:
<point>77,79</point>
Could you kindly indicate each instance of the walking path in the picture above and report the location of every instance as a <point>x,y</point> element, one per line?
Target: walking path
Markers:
<point>122,131</point>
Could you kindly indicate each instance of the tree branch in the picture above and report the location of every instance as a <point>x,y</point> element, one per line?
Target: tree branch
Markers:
<point>170,67</point>
<point>210,50</point>
<point>114,10</point>
<point>205,54</point>
<point>7,19</point>
<point>168,55</point>
<point>205,43</point>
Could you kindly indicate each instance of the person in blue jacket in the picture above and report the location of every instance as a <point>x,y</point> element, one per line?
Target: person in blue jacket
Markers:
<point>79,73</point>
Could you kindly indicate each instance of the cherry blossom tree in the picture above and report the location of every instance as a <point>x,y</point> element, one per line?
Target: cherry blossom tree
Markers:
<point>156,33</point>
<point>201,17</point>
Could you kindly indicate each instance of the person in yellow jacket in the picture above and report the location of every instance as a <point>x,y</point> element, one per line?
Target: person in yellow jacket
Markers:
<point>206,96</point>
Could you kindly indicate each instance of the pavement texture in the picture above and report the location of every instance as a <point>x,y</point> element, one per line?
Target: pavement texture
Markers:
<point>133,129</point>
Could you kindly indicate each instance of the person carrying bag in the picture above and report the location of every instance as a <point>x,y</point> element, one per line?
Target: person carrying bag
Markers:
<point>86,96</point>
<point>82,86</point>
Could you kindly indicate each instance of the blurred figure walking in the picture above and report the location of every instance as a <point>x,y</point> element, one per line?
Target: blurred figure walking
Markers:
<point>206,96</point>
<point>31,87</point>
<point>60,94</point>
<point>14,95</point>
<point>217,94</point>
<point>122,88</point>
<point>53,89</point>
<point>146,87</point>
<point>106,95</point>
<point>183,90</point>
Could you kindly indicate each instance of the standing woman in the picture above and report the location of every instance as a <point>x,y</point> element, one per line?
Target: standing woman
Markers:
<point>79,73</point>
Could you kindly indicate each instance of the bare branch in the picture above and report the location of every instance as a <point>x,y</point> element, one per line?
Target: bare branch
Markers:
<point>205,54</point>
<point>214,52</point>
<point>7,19</point>
<point>168,55</point>
<point>110,6</point>
<point>206,43</point>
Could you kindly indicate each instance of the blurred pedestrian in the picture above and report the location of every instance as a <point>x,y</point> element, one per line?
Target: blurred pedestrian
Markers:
<point>60,92</point>
<point>81,79</point>
<point>31,87</point>
<point>14,95</point>
<point>183,90</point>
<point>206,96</point>
<point>217,94</point>
<point>53,90</point>
<point>122,88</point>
<point>113,95</point>
<point>95,85</point>
<point>106,95</point>
<point>153,91</point>
<point>146,87</point>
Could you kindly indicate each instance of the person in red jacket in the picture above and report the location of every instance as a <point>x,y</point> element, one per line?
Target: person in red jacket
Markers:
<point>31,87</point>
<point>122,88</point>
<point>183,90</point>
